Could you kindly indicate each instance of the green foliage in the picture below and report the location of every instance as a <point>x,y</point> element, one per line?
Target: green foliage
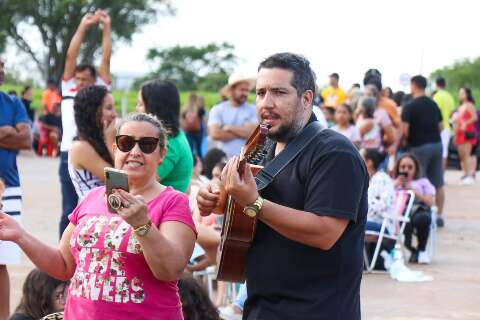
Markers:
<point>193,68</point>
<point>211,98</point>
<point>461,73</point>
<point>57,20</point>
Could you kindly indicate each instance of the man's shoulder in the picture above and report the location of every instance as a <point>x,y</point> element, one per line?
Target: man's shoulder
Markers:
<point>220,105</point>
<point>5,98</point>
<point>331,142</point>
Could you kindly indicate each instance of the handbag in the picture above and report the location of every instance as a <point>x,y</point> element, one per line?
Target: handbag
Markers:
<point>470,134</point>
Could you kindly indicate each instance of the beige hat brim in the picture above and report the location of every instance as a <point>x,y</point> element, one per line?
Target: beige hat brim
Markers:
<point>226,90</point>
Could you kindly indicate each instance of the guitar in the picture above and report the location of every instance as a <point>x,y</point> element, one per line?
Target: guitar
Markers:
<point>238,229</point>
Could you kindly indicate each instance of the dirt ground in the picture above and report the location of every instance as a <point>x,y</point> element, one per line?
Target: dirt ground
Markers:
<point>453,294</point>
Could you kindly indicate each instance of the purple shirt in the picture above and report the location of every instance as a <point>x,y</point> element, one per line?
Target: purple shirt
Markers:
<point>422,186</point>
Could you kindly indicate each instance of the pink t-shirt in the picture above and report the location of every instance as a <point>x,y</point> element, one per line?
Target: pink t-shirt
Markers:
<point>112,279</point>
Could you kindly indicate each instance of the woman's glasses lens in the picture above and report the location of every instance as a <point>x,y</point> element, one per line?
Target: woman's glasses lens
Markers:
<point>126,143</point>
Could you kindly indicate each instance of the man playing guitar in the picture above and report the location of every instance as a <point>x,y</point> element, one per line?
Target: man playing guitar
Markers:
<point>306,259</point>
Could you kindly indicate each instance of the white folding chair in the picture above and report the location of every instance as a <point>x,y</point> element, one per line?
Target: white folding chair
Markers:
<point>403,207</point>
<point>432,238</point>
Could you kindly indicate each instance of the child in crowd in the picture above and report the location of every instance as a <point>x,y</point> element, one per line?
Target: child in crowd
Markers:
<point>345,124</point>
<point>370,132</point>
<point>42,295</point>
<point>329,113</point>
<point>196,304</point>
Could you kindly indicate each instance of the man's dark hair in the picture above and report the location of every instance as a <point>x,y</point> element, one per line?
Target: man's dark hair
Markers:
<point>374,77</point>
<point>303,75</point>
<point>89,67</point>
<point>419,81</point>
<point>440,82</point>
<point>335,75</point>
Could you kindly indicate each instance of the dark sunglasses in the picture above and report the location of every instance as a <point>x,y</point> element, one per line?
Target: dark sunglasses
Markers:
<point>126,143</point>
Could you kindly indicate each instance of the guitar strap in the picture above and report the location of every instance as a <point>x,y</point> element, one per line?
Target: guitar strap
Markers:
<point>291,151</point>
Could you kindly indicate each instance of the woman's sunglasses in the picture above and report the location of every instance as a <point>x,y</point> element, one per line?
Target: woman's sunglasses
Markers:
<point>126,143</point>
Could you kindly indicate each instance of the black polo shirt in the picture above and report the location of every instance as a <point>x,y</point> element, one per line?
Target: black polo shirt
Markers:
<point>290,280</point>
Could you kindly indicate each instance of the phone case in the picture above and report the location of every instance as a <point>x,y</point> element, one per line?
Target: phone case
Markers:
<point>115,179</point>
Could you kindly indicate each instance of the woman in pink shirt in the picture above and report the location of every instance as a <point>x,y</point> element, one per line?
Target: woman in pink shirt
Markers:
<point>125,265</point>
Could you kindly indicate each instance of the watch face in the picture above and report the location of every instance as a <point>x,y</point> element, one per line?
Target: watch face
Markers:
<point>251,212</point>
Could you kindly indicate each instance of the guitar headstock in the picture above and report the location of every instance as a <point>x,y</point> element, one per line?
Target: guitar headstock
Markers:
<point>254,149</point>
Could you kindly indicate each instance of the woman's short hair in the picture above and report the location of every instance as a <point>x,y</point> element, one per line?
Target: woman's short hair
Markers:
<point>416,163</point>
<point>148,118</point>
<point>87,109</point>
<point>37,294</point>
<point>161,98</point>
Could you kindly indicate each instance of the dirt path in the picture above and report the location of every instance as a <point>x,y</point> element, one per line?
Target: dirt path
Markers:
<point>453,294</point>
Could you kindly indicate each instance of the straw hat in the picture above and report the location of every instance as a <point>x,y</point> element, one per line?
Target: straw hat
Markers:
<point>235,78</point>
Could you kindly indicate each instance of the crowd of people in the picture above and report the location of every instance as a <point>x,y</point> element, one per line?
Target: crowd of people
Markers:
<point>139,262</point>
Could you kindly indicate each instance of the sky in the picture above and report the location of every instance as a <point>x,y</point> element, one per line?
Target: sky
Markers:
<point>344,36</point>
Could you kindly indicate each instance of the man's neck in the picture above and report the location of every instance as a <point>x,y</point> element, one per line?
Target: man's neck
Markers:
<point>234,103</point>
<point>418,94</point>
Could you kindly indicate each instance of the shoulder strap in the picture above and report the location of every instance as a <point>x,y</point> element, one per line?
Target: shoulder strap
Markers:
<point>291,151</point>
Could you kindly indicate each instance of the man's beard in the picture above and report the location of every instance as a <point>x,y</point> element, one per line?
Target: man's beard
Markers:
<point>286,132</point>
<point>240,99</point>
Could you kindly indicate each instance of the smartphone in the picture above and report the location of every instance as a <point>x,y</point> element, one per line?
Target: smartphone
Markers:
<point>403,174</point>
<point>115,179</point>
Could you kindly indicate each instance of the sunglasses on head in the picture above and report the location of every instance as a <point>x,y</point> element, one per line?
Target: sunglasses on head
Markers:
<point>126,143</point>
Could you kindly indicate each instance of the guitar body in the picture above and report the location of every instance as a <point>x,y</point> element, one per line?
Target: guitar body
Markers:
<point>237,235</point>
<point>238,229</point>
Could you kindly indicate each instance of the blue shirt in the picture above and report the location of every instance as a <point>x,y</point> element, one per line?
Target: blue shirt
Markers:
<point>12,112</point>
<point>226,114</point>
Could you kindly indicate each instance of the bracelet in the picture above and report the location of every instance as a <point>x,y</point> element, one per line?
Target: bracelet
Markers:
<point>143,229</point>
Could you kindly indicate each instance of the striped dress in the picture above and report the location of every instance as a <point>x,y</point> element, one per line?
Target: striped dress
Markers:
<point>83,181</point>
<point>12,205</point>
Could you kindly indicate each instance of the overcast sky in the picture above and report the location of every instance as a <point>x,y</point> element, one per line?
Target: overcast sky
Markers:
<point>344,36</point>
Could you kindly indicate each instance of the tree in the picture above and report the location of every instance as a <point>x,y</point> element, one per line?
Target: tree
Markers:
<point>193,68</point>
<point>57,20</point>
<point>462,73</point>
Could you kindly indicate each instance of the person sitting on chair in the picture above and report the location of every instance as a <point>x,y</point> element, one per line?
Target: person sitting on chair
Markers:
<point>381,192</point>
<point>407,177</point>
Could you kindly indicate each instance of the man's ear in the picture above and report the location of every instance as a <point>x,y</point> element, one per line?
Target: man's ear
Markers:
<point>307,99</point>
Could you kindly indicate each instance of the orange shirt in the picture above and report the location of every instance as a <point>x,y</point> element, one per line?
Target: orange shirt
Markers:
<point>390,107</point>
<point>50,98</point>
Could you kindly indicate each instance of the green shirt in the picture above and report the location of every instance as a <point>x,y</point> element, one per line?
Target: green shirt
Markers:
<point>446,104</point>
<point>177,166</point>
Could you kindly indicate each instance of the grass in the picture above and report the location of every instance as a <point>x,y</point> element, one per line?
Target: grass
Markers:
<point>211,98</point>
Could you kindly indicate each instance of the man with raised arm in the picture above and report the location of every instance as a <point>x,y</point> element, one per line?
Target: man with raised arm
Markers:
<point>76,77</point>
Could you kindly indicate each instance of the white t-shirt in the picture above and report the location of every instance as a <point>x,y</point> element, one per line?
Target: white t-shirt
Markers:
<point>69,91</point>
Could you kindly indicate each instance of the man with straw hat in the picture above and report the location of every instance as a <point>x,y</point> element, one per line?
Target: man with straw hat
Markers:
<point>232,121</point>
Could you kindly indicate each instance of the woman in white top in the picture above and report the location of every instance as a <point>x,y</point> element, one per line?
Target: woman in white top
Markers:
<point>92,151</point>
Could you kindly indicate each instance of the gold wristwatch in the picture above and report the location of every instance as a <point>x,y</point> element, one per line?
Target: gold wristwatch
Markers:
<point>143,229</point>
<point>252,210</point>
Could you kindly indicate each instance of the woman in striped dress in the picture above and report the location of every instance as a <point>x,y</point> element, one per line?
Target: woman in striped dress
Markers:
<point>91,151</point>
